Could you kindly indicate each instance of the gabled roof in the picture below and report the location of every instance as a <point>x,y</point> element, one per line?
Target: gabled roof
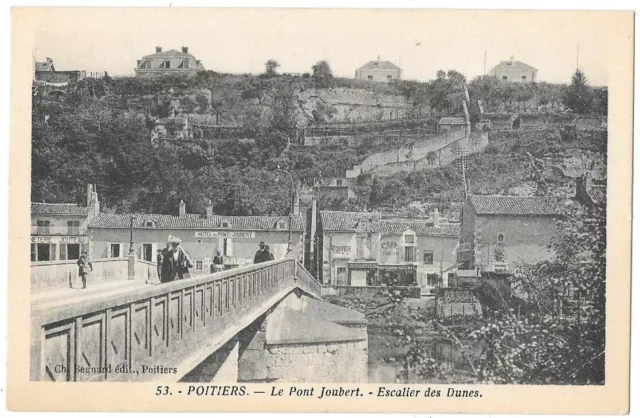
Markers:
<point>45,66</point>
<point>517,65</point>
<point>389,227</point>
<point>514,205</point>
<point>58,209</point>
<point>193,221</point>
<point>379,65</point>
<point>172,53</point>
<point>345,221</point>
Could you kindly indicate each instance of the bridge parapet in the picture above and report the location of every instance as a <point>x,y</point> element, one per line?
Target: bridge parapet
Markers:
<point>147,333</point>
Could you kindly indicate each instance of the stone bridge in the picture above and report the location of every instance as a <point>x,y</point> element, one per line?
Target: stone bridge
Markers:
<point>265,322</point>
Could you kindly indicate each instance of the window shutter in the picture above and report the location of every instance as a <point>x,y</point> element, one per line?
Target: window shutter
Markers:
<point>124,250</point>
<point>52,252</point>
<point>220,246</point>
<point>63,251</point>
<point>229,247</point>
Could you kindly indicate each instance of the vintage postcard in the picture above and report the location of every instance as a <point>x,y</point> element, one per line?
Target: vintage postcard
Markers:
<point>349,210</point>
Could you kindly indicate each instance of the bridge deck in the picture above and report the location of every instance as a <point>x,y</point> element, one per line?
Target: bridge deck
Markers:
<point>130,323</point>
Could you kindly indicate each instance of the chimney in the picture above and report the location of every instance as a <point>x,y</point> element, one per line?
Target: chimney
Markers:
<point>182,209</point>
<point>158,49</point>
<point>90,189</point>
<point>296,204</point>
<point>185,49</point>
<point>209,208</point>
<point>436,217</point>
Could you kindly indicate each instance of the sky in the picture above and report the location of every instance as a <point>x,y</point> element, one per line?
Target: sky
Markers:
<point>421,42</point>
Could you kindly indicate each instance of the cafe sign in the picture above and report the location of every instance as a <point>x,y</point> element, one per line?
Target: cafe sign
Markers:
<point>389,248</point>
<point>226,234</point>
<point>341,249</point>
<point>59,240</point>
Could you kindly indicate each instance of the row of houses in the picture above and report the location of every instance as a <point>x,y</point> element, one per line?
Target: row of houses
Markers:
<point>60,232</point>
<point>342,249</point>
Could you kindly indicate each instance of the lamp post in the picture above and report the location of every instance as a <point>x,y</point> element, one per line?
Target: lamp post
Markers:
<point>278,170</point>
<point>131,235</point>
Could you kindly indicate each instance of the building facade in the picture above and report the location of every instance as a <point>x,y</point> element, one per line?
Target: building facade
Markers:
<point>378,70</point>
<point>361,249</point>
<point>171,62</point>
<point>430,247</point>
<point>236,237</point>
<point>514,71</point>
<point>59,230</point>
<point>499,231</point>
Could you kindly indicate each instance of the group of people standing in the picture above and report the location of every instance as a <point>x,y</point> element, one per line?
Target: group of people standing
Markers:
<point>173,261</point>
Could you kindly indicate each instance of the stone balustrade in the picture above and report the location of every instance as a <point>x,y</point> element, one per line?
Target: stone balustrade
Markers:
<point>47,275</point>
<point>152,332</point>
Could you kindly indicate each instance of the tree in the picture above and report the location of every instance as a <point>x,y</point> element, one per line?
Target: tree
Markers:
<point>203,102</point>
<point>270,68</point>
<point>322,112</point>
<point>579,95</point>
<point>322,74</point>
<point>283,109</point>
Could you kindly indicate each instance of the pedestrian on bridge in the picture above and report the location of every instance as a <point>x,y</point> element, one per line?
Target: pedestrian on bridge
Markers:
<point>160,259</point>
<point>218,262</point>
<point>262,255</point>
<point>176,262</point>
<point>84,267</point>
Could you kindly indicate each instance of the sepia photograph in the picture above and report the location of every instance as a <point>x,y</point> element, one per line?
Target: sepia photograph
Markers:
<point>417,200</point>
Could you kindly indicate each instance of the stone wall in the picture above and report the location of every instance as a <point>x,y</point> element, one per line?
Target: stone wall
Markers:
<point>453,302</point>
<point>353,105</point>
<point>47,275</point>
<point>369,291</point>
<point>435,157</point>
<point>325,362</point>
<point>304,340</point>
<point>412,152</point>
<point>60,76</point>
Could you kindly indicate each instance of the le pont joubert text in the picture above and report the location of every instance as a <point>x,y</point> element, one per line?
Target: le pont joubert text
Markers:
<point>320,394</point>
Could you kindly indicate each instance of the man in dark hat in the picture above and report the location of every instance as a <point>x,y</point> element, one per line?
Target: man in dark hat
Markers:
<point>84,267</point>
<point>261,255</point>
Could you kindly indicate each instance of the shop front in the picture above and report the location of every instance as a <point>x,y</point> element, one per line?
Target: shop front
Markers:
<point>398,275</point>
<point>363,273</point>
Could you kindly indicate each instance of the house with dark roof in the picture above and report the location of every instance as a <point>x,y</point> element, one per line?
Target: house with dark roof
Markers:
<point>45,65</point>
<point>515,71</point>
<point>498,231</point>
<point>379,71</point>
<point>429,247</point>
<point>362,249</point>
<point>59,230</point>
<point>171,62</point>
<point>236,237</point>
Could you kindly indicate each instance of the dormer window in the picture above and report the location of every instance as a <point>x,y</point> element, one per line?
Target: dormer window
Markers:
<point>410,239</point>
<point>224,224</point>
<point>281,224</point>
<point>149,223</point>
